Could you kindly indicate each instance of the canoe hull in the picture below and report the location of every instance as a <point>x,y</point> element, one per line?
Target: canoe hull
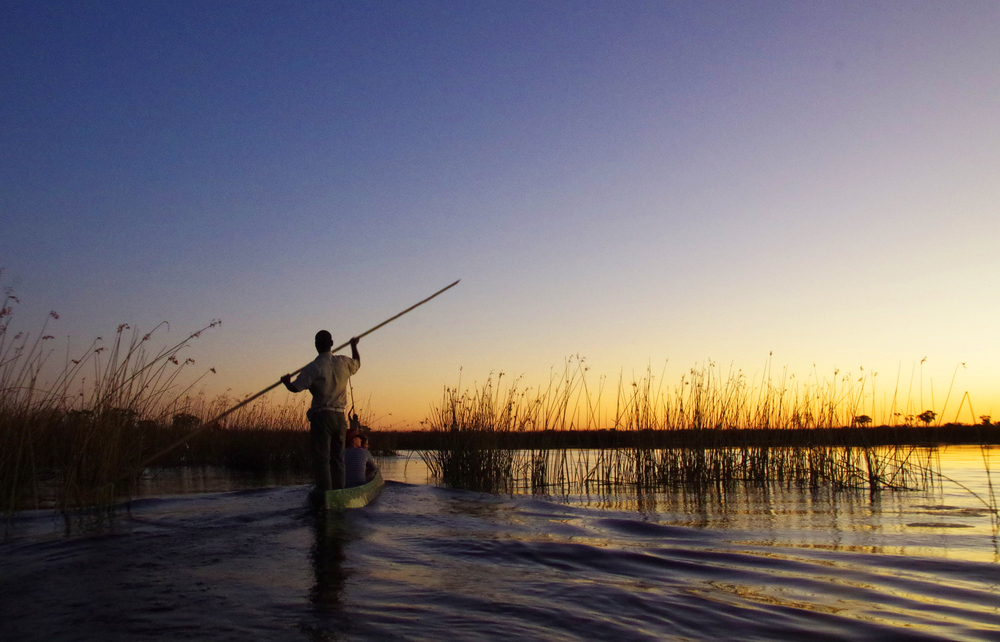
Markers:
<point>356,497</point>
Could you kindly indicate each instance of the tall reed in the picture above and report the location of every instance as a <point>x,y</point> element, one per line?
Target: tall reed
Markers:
<point>741,425</point>
<point>463,455</point>
<point>75,432</point>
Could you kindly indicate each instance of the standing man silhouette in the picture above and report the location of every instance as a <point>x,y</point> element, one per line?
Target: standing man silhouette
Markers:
<point>326,378</point>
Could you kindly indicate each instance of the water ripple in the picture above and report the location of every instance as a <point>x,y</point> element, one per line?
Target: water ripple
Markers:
<point>426,563</point>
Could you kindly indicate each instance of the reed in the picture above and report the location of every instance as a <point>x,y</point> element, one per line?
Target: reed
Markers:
<point>721,469</point>
<point>724,431</point>
<point>992,504</point>
<point>464,456</point>
<point>71,434</point>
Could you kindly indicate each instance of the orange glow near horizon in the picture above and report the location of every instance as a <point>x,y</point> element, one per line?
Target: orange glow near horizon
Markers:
<point>388,402</point>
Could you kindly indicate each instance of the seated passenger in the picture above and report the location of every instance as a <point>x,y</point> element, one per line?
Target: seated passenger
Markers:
<point>360,464</point>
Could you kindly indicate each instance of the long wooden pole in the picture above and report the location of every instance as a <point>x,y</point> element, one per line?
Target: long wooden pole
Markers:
<point>214,420</point>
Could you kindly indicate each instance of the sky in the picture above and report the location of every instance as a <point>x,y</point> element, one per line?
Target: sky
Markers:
<point>809,187</point>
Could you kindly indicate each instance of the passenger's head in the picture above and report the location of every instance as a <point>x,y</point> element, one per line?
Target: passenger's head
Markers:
<point>364,441</point>
<point>324,341</point>
<point>356,441</point>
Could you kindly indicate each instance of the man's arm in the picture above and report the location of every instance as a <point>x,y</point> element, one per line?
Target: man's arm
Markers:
<point>354,350</point>
<point>287,380</point>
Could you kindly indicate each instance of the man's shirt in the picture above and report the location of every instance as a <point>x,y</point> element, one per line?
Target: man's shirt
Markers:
<point>326,378</point>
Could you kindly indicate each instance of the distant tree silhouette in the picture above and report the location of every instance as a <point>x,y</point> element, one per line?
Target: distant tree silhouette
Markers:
<point>861,420</point>
<point>927,417</point>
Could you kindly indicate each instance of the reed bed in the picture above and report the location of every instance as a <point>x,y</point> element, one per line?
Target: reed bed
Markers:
<point>260,437</point>
<point>481,465</point>
<point>720,469</point>
<point>724,432</point>
<point>73,433</point>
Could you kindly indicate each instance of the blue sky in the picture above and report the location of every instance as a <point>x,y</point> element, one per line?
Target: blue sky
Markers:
<point>639,183</point>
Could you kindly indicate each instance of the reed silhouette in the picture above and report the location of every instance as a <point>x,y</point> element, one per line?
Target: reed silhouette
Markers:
<point>71,432</point>
<point>707,432</point>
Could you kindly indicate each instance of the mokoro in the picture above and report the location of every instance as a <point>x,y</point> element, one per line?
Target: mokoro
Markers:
<point>355,497</point>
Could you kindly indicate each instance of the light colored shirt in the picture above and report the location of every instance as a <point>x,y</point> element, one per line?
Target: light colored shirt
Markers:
<point>326,378</point>
<point>358,463</point>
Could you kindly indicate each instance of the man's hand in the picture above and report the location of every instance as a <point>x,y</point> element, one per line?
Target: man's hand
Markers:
<point>287,380</point>
<point>354,342</point>
<point>354,349</point>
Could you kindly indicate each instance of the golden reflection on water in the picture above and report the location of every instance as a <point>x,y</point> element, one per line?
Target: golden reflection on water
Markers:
<point>951,518</point>
<point>763,596</point>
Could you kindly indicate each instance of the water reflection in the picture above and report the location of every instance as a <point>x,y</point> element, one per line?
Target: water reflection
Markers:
<point>942,517</point>
<point>210,479</point>
<point>430,563</point>
<point>330,535</point>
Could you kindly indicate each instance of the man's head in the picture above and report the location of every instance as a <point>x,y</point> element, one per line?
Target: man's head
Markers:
<point>324,341</point>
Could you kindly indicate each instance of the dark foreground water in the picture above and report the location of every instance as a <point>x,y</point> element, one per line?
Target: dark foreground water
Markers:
<point>424,562</point>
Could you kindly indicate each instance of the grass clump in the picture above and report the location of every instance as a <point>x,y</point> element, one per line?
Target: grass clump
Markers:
<point>464,457</point>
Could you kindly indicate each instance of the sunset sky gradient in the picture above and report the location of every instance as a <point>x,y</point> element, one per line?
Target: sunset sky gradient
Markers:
<point>644,184</point>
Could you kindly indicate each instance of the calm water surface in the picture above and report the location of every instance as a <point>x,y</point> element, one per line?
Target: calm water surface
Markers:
<point>424,562</point>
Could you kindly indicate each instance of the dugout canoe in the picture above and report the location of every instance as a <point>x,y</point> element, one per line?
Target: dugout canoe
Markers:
<point>356,497</point>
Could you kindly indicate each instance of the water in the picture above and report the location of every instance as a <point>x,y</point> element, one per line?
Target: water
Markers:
<point>424,562</point>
